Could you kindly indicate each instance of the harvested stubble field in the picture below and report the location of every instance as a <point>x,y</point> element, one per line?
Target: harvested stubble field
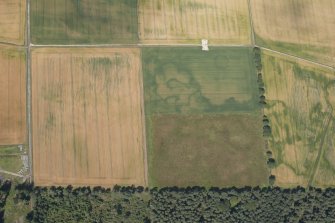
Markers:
<point>84,21</point>
<point>303,28</point>
<point>202,117</point>
<point>12,21</point>
<point>300,99</point>
<point>189,21</point>
<point>12,96</point>
<point>87,116</point>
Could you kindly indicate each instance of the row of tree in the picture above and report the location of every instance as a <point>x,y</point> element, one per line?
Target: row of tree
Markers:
<point>173,204</point>
<point>5,187</point>
<point>271,162</point>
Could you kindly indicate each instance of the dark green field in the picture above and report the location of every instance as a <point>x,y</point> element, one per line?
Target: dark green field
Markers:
<point>83,21</point>
<point>202,117</point>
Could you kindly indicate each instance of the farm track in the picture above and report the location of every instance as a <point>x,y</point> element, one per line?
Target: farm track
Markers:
<point>299,58</point>
<point>177,45</point>
<point>145,155</point>
<point>139,45</point>
<point>11,173</point>
<point>11,44</point>
<point>251,24</point>
<point>28,97</point>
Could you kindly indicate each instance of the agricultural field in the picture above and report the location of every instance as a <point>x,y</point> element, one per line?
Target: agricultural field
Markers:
<point>304,28</point>
<point>84,21</point>
<point>87,116</point>
<point>188,80</point>
<point>10,159</point>
<point>12,21</point>
<point>202,117</point>
<point>12,95</point>
<point>300,102</point>
<point>189,21</point>
<point>210,150</point>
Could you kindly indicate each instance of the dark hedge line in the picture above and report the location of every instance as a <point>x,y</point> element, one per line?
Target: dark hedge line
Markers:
<point>5,187</point>
<point>173,204</point>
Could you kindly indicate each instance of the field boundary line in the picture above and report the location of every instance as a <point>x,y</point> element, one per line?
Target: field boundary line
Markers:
<point>174,45</point>
<point>12,44</point>
<point>299,58</point>
<point>11,173</point>
<point>252,30</point>
<point>137,45</point>
<point>28,91</point>
<point>144,130</point>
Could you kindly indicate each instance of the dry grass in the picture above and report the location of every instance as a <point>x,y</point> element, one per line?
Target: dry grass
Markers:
<point>188,21</point>
<point>12,96</point>
<point>87,117</point>
<point>300,115</point>
<point>208,150</point>
<point>301,27</point>
<point>12,21</point>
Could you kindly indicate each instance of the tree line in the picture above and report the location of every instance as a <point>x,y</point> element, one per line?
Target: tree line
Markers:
<point>267,132</point>
<point>175,204</point>
<point>5,187</point>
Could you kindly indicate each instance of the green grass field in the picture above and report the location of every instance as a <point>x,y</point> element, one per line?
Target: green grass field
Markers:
<point>10,159</point>
<point>190,81</point>
<point>202,117</point>
<point>83,21</point>
<point>300,106</point>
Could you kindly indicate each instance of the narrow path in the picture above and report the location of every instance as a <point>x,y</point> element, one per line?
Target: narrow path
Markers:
<point>299,58</point>
<point>144,133</point>
<point>176,45</point>
<point>11,173</point>
<point>139,45</point>
<point>253,41</point>
<point>10,155</point>
<point>28,106</point>
<point>322,148</point>
<point>11,44</point>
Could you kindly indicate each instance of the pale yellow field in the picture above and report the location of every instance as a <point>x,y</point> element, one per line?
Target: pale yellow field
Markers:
<point>301,117</point>
<point>87,117</point>
<point>12,96</point>
<point>304,28</point>
<point>12,21</point>
<point>189,21</point>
